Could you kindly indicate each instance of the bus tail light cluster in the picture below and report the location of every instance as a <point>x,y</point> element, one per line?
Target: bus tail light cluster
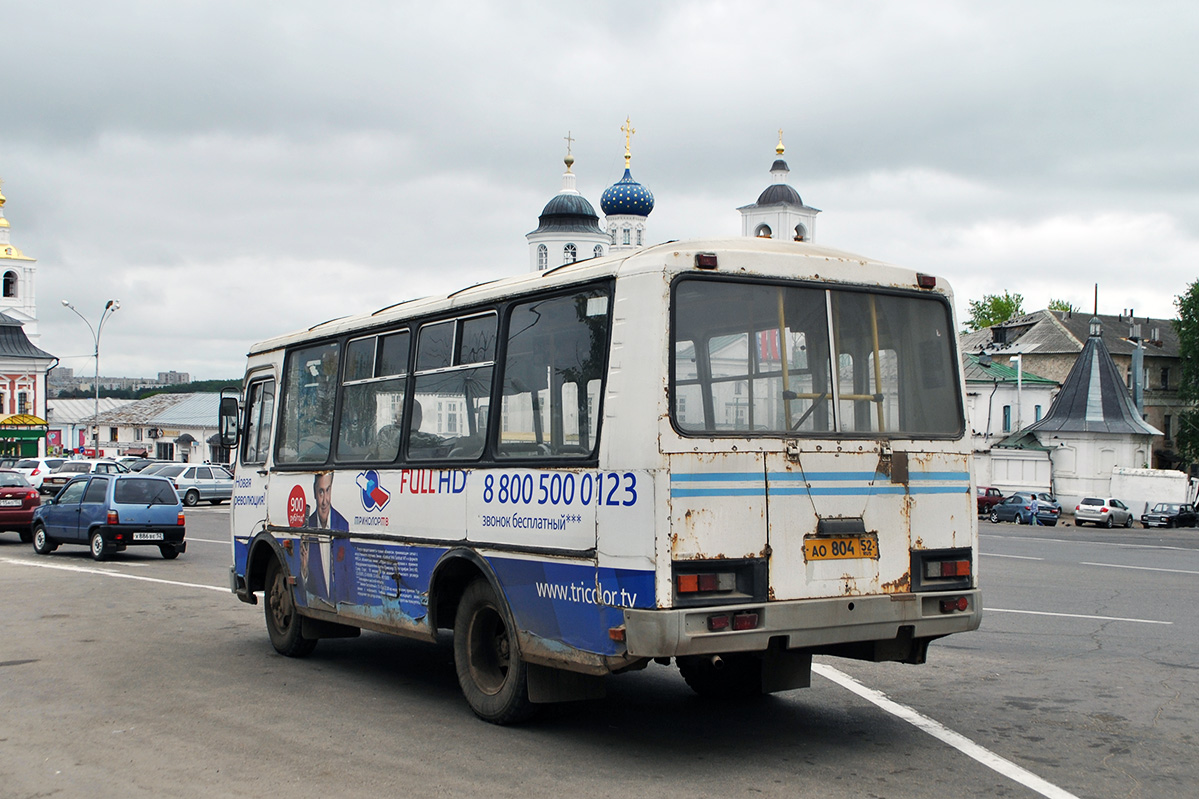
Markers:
<point>727,581</point>
<point>707,583</point>
<point>742,620</point>
<point>946,568</point>
<point>942,569</point>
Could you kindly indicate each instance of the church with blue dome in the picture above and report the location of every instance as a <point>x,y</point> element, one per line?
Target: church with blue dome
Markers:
<point>627,204</point>
<point>569,229</point>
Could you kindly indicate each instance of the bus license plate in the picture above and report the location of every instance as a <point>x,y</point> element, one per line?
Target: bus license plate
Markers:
<point>147,536</point>
<point>856,546</point>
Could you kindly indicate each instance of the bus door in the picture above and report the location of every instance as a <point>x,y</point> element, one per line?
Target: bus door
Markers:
<point>250,483</point>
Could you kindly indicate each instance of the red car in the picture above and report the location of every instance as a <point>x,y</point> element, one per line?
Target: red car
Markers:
<point>17,501</point>
<point>987,499</point>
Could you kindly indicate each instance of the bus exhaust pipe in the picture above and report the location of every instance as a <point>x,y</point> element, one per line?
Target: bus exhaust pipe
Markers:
<point>717,662</point>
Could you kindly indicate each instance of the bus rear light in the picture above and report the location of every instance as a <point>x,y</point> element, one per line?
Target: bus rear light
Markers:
<point>707,582</point>
<point>718,623</point>
<point>705,260</point>
<point>947,568</point>
<point>745,621</point>
<point>113,518</point>
<point>616,633</point>
<point>926,281</point>
<point>957,604</point>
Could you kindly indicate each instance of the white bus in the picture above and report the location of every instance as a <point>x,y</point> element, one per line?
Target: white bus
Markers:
<point>734,454</point>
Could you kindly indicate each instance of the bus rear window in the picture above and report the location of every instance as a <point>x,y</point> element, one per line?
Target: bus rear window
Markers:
<point>752,358</point>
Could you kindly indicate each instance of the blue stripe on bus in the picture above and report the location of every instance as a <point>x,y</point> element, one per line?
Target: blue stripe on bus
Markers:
<point>819,491</point>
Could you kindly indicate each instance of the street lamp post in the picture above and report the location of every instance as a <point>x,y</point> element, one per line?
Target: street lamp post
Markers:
<point>110,307</point>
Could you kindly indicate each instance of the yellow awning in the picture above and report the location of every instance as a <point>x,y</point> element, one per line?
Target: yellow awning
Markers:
<point>22,420</point>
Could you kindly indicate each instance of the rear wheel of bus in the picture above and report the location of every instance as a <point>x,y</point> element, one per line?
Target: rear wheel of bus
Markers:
<point>283,623</point>
<point>492,675</point>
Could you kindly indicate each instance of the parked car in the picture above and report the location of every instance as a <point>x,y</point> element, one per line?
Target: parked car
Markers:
<point>987,499</point>
<point>137,464</point>
<point>157,466</point>
<point>196,482</point>
<point>1170,514</point>
<point>8,463</point>
<point>1018,508</point>
<point>18,499</point>
<point>35,469</point>
<point>109,512</point>
<point>1102,512</point>
<point>66,471</point>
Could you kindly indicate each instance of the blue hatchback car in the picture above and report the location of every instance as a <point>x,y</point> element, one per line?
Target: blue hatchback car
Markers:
<point>109,512</point>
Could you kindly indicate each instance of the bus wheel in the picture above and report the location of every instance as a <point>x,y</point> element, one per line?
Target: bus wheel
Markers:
<point>490,671</point>
<point>722,676</point>
<point>282,621</point>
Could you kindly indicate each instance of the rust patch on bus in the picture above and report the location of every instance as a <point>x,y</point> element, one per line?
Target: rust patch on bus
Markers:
<point>900,586</point>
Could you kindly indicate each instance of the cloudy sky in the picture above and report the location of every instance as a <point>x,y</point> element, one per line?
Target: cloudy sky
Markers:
<point>233,170</point>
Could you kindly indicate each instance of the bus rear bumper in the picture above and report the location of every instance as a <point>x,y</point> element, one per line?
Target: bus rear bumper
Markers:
<point>800,624</point>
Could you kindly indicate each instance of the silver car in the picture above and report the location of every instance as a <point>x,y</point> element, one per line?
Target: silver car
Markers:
<point>196,482</point>
<point>1102,512</point>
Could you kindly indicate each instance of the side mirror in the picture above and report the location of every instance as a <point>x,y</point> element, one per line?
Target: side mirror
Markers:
<point>49,501</point>
<point>227,420</point>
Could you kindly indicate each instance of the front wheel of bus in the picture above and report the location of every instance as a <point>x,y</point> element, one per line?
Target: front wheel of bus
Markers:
<point>735,676</point>
<point>490,671</point>
<point>282,620</point>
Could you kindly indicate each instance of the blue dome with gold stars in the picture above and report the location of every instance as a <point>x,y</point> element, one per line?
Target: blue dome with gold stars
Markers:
<point>627,196</point>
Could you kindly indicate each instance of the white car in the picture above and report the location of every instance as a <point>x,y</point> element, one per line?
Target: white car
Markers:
<point>35,469</point>
<point>1102,512</point>
<point>69,470</point>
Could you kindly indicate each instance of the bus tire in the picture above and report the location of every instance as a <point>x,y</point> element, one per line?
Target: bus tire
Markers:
<point>492,675</point>
<point>734,676</point>
<point>282,621</point>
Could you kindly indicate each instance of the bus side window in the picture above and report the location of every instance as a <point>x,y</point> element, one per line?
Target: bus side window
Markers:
<point>309,390</point>
<point>260,411</point>
<point>372,398</point>
<point>452,391</point>
<point>553,376</point>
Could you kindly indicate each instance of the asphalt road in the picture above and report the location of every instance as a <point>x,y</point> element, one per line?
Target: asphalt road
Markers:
<point>141,677</point>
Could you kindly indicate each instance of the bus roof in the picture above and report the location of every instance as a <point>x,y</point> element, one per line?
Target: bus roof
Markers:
<point>755,256</point>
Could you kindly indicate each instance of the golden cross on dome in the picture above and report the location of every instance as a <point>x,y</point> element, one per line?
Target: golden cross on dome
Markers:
<point>629,130</point>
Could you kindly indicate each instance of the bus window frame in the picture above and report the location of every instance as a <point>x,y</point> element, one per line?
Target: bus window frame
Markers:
<point>827,286</point>
<point>487,458</point>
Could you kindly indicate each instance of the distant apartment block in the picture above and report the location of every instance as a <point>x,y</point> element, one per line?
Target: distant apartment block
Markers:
<point>64,379</point>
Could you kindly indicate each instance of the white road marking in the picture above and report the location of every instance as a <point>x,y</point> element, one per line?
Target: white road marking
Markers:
<point>1016,557</point>
<point>942,733</point>
<point>1089,543</point>
<point>224,541</point>
<point>1073,615</point>
<point>1140,568</point>
<point>106,573</point>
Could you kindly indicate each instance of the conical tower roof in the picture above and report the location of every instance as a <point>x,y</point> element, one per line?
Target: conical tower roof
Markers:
<point>1094,398</point>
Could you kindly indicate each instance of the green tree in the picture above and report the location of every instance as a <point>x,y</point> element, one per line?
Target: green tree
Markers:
<point>994,309</point>
<point>1063,305</point>
<point>1187,325</point>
